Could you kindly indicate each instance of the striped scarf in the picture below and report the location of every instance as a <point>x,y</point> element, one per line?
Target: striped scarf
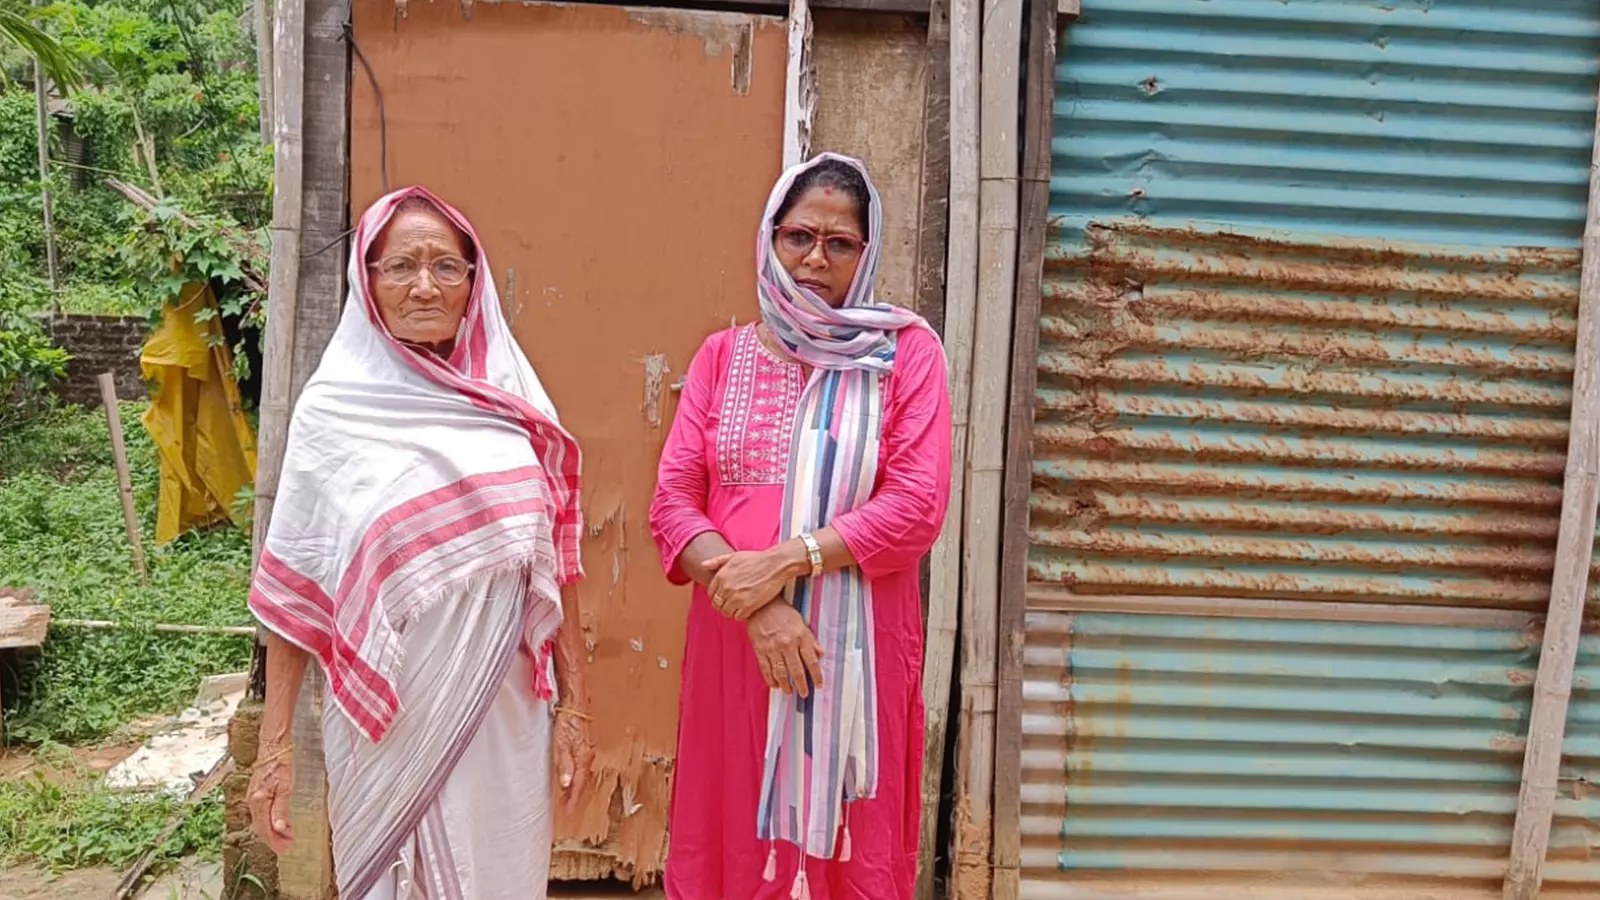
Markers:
<point>823,751</point>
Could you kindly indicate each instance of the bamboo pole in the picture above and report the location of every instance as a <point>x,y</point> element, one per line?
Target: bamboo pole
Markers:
<point>262,11</point>
<point>1038,131</point>
<point>799,87</point>
<point>41,107</point>
<point>1552,686</point>
<point>1001,50</point>
<point>119,450</point>
<point>104,625</point>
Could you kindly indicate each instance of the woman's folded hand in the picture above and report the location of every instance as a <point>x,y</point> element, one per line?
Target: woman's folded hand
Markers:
<point>787,651</point>
<point>747,581</point>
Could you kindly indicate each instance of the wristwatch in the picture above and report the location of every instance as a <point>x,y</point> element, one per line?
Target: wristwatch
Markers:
<point>813,552</point>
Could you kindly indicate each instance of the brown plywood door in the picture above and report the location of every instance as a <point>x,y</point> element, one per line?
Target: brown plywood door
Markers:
<point>615,163</point>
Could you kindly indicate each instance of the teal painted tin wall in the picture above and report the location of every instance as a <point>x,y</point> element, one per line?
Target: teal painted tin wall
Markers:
<point>1157,747</point>
<point>1306,335</point>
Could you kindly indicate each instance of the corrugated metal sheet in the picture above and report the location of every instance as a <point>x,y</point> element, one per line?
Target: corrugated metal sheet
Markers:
<point>1241,416</point>
<point>1157,745</point>
<point>1306,334</point>
<point>1430,121</point>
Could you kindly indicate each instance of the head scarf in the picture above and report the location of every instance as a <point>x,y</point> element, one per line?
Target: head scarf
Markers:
<point>407,476</point>
<point>823,751</point>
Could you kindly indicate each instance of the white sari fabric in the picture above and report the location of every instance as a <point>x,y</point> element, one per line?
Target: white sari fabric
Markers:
<point>487,832</point>
<point>426,517</point>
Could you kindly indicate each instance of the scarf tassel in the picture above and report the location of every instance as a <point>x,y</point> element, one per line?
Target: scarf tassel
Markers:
<point>771,872</point>
<point>801,889</point>
<point>844,851</point>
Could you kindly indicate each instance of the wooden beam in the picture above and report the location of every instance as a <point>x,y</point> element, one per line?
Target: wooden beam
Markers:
<point>306,871</point>
<point>1033,234</point>
<point>799,87</point>
<point>1569,587</point>
<point>961,298</point>
<point>888,7</point>
<point>998,152</point>
<point>119,454</point>
<point>22,624</point>
<point>939,658</point>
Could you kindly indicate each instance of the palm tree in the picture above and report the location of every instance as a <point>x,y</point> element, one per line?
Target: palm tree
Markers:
<point>18,26</point>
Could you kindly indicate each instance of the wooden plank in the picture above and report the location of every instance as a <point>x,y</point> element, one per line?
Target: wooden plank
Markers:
<point>980,541</point>
<point>1045,598</point>
<point>887,7</point>
<point>1033,236</point>
<point>961,293</point>
<point>119,453</point>
<point>1552,687</point>
<point>306,870</point>
<point>932,244</point>
<point>799,87</point>
<point>22,624</point>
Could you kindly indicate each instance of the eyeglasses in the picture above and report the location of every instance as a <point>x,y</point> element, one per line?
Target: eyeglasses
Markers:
<point>447,271</point>
<point>799,240</point>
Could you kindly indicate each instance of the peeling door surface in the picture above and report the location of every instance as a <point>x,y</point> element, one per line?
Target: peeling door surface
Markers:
<point>1305,363</point>
<point>615,163</point>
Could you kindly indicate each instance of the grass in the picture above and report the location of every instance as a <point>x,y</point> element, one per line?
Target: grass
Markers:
<point>61,531</point>
<point>60,818</point>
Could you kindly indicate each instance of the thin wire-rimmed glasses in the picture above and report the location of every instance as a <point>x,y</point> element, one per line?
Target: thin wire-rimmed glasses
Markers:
<point>800,240</point>
<point>447,271</point>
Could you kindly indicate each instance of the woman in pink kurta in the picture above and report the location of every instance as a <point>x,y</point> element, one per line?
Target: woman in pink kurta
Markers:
<point>806,475</point>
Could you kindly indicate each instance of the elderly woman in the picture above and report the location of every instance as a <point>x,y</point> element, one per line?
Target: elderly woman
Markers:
<point>806,476</point>
<point>421,549</point>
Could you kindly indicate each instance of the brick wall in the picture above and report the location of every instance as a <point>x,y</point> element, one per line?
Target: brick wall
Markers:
<point>99,344</point>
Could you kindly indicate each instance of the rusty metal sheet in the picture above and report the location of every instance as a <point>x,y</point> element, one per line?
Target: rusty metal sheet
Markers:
<point>1306,336</point>
<point>1156,745</point>
<point>1297,419</point>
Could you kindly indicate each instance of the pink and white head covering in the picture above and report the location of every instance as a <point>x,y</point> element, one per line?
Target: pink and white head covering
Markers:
<point>857,335</point>
<point>407,476</point>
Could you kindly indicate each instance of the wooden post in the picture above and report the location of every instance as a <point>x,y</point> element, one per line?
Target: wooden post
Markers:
<point>960,308</point>
<point>961,292</point>
<point>310,210</point>
<point>1569,587</point>
<point>130,516</point>
<point>1033,235</point>
<point>283,281</point>
<point>799,87</point>
<point>41,106</point>
<point>944,570</point>
<point>980,590</point>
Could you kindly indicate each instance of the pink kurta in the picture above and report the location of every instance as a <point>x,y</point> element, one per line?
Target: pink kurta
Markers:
<point>723,470</point>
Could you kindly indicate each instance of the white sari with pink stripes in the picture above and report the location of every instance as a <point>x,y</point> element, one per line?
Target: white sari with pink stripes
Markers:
<point>426,519</point>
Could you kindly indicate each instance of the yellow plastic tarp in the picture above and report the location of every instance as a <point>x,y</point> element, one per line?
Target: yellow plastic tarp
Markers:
<point>207,449</point>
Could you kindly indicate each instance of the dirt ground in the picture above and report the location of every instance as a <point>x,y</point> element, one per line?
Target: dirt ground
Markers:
<point>17,762</point>
<point>203,881</point>
<point>191,881</point>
